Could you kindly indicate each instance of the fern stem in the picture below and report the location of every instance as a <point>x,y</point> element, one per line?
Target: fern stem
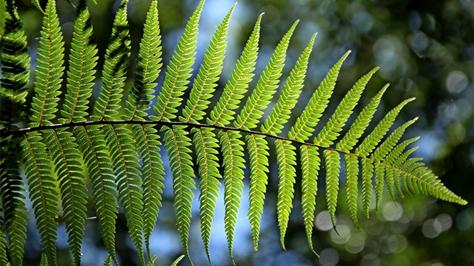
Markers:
<point>159,124</point>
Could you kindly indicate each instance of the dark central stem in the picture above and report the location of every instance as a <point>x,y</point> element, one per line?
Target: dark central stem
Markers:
<point>22,131</point>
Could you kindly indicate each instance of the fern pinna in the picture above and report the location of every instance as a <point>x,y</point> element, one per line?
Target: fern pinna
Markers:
<point>113,147</point>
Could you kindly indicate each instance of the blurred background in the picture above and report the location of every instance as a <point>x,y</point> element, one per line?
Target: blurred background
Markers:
<point>424,48</point>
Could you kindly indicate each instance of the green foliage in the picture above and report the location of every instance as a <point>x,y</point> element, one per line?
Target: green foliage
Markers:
<point>310,164</point>
<point>258,151</point>
<point>286,158</point>
<point>233,161</point>
<point>49,69</point>
<point>120,160</point>
<point>81,71</point>
<point>43,191</point>
<point>179,70</point>
<point>178,144</point>
<point>266,86</point>
<point>13,55</point>
<point>207,145</point>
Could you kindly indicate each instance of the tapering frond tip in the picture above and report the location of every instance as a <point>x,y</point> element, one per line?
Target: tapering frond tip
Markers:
<point>293,26</point>
<point>346,54</point>
<point>313,39</point>
<point>462,201</point>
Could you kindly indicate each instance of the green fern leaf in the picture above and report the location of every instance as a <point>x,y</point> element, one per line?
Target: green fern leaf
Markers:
<point>14,56</point>
<point>69,170</point>
<point>286,160</point>
<point>381,152</point>
<point>234,165</point>
<point>206,144</point>
<point>108,104</point>
<point>309,118</point>
<point>379,183</point>
<point>206,80</point>
<point>266,86</point>
<point>43,191</point>
<point>125,160</point>
<point>148,144</point>
<point>224,111</point>
<point>387,146</point>
<point>16,230</point>
<point>15,213</point>
<point>398,150</point>
<point>367,173</point>
<point>332,181</point>
<point>361,123</point>
<point>369,143</point>
<point>148,68</point>
<point>3,248</point>
<point>352,188</point>
<point>81,71</point>
<point>178,144</point>
<point>49,69</point>
<point>104,190</point>
<point>394,155</point>
<point>179,70</point>
<point>332,128</point>
<point>108,261</point>
<point>290,93</point>
<point>177,260</point>
<point>258,150</point>
<point>310,164</point>
<point>38,5</point>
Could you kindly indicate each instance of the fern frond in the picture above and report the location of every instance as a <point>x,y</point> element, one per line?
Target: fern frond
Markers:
<point>361,123</point>
<point>290,93</point>
<point>399,149</point>
<point>178,144</point>
<point>153,172</point>
<point>125,160</point>
<point>81,71</point>
<point>352,186</point>
<point>49,69</point>
<point>14,56</point>
<point>206,80</point>
<point>286,160</point>
<point>391,158</point>
<point>206,144</point>
<point>3,248</point>
<point>332,128</point>
<point>69,170</point>
<point>118,150</point>
<point>379,182</point>
<point>367,173</point>
<point>104,190</point>
<point>234,165</point>
<point>179,70</point>
<point>309,118</point>
<point>258,151</point>
<point>16,230</point>
<point>15,213</point>
<point>108,261</point>
<point>381,152</point>
<point>267,84</point>
<point>332,181</point>
<point>387,146</point>
<point>369,143</point>
<point>108,105</point>
<point>148,68</point>
<point>310,164</point>
<point>224,111</point>
<point>43,191</point>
